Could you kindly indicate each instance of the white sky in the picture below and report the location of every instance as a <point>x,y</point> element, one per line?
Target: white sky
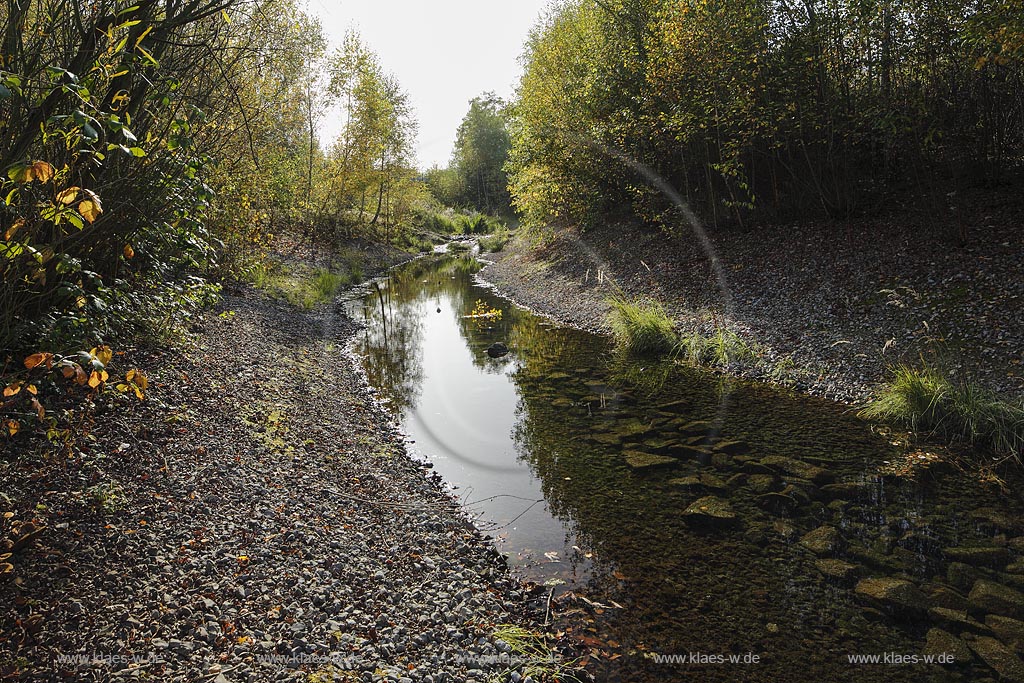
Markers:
<point>443,52</point>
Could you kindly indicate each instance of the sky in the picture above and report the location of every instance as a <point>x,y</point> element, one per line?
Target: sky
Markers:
<point>443,52</point>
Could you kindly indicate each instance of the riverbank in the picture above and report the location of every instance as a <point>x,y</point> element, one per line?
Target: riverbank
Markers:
<point>828,309</point>
<point>257,518</point>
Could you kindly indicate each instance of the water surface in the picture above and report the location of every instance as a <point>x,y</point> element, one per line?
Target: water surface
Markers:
<point>543,444</point>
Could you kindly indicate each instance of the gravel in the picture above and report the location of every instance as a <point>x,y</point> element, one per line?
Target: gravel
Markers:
<point>831,307</point>
<point>257,519</point>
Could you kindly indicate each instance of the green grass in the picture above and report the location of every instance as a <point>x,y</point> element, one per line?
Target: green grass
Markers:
<point>927,400</point>
<point>721,348</point>
<point>303,286</point>
<point>496,241</point>
<point>641,328</point>
<point>540,662</point>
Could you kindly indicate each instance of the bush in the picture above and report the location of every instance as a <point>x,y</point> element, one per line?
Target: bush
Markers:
<point>641,328</point>
<point>720,348</point>
<point>926,400</point>
<point>496,241</point>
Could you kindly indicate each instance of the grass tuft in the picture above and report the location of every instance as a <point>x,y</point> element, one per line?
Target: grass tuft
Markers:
<point>538,661</point>
<point>926,400</point>
<point>641,328</point>
<point>721,348</point>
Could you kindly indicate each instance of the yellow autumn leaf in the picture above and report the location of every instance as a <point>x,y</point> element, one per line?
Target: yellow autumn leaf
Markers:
<point>138,392</point>
<point>94,379</point>
<point>67,196</point>
<point>104,376</point>
<point>12,427</point>
<point>90,209</point>
<point>41,171</point>
<point>40,411</point>
<point>31,388</point>
<point>141,380</point>
<point>128,251</point>
<point>102,353</point>
<point>37,359</point>
<point>128,376</point>
<point>68,371</point>
<point>11,231</point>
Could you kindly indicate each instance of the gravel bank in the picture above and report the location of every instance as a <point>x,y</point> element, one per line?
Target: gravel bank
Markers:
<point>830,307</point>
<point>256,519</point>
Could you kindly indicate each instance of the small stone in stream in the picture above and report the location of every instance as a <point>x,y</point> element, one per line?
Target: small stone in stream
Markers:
<point>1005,663</point>
<point>497,350</point>
<point>956,620</point>
<point>962,575</point>
<point>939,642</point>
<point>944,596</point>
<point>732,447</point>
<point>704,480</point>
<point>837,569</point>
<point>641,460</point>
<point>822,541</point>
<point>762,483</point>
<point>776,503</point>
<point>995,598</point>
<point>1010,631</point>
<point>710,510</point>
<point>697,428</point>
<point>991,519</point>
<point>798,468</point>
<point>896,596</point>
<point>979,556</point>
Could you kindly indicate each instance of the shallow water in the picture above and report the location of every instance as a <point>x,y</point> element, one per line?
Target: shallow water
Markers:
<point>540,443</point>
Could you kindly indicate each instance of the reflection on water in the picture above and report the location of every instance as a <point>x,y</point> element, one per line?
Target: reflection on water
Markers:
<point>625,459</point>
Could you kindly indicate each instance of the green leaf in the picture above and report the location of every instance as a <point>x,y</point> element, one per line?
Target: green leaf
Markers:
<point>138,152</point>
<point>5,92</point>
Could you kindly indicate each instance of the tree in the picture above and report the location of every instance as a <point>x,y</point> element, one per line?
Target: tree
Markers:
<point>481,152</point>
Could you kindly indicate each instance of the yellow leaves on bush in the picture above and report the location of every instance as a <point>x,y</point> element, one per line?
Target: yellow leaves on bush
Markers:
<point>35,170</point>
<point>12,389</point>
<point>37,359</point>
<point>13,230</point>
<point>97,378</point>
<point>90,208</point>
<point>75,371</point>
<point>102,353</point>
<point>68,195</point>
<point>38,407</point>
<point>129,253</point>
<point>13,427</point>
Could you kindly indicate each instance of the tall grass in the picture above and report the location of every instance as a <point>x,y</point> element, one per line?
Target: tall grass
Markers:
<point>496,241</point>
<point>926,400</point>
<point>721,348</point>
<point>641,328</point>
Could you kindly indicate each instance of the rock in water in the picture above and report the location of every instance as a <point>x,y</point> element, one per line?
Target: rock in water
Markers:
<point>497,350</point>
<point>710,510</point>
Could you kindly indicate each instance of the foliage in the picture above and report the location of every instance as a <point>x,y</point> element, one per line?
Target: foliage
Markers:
<point>641,328</point>
<point>720,348</point>
<point>926,400</point>
<point>754,110</point>
<point>540,660</point>
<point>496,241</point>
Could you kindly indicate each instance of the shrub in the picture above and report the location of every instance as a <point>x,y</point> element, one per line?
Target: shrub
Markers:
<point>641,328</point>
<point>926,400</point>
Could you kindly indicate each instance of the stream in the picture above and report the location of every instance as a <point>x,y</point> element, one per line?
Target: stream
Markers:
<point>719,530</point>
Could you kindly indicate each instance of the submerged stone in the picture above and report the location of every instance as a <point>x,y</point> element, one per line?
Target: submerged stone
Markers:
<point>822,541</point>
<point>762,483</point>
<point>979,556</point>
<point>1010,631</point>
<point>957,620</point>
<point>962,575</point>
<point>992,519</point>
<point>697,428</point>
<point>995,598</point>
<point>845,490</point>
<point>704,480</point>
<point>995,654</point>
<point>733,447</point>
<point>836,569</point>
<point>797,468</point>
<point>776,503</point>
<point>939,642</point>
<point>896,596</point>
<point>710,510</point>
<point>639,460</point>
